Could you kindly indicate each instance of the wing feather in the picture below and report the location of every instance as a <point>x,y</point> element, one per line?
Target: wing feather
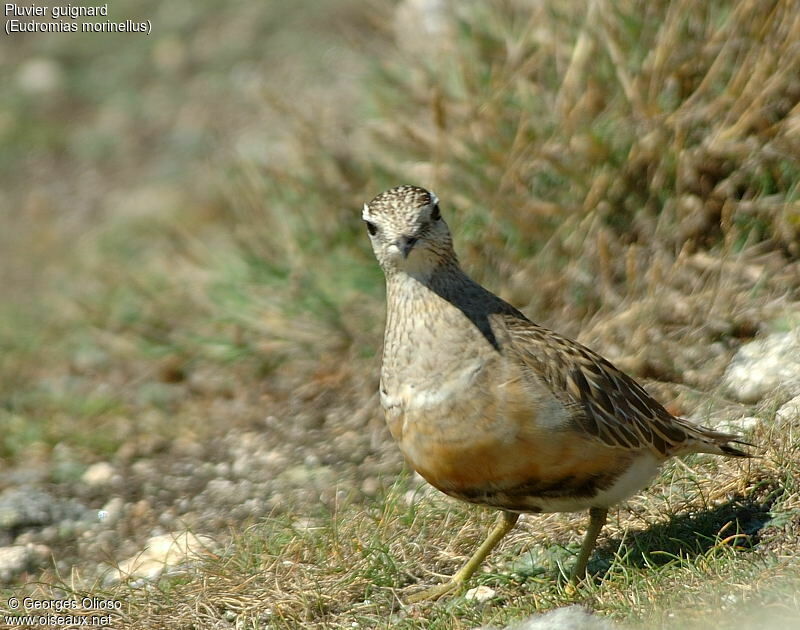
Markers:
<point>607,403</point>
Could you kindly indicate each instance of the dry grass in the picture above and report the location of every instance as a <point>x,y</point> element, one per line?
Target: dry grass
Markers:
<point>578,179</point>
<point>712,537</point>
<point>627,173</point>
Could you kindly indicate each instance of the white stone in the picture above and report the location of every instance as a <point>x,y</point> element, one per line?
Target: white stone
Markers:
<point>762,366</point>
<point>567,618</point>
<point>99,474</point>
<point>17,559</point>
<point>789,410</point>
<point>480,594</point>
<point>162,553</point>
<point>736,425</point>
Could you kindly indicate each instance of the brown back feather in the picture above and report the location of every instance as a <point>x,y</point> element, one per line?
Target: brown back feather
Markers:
<point>606,402</point>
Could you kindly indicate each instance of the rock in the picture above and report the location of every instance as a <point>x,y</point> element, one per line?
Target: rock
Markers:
<point>220,489</point>
<point>568,618</point>
<point>480,594</point>
<point>370,486</point>
<point>17,559</point>
<point>227,492</point>
<point>789,410</point>
<point>29,507</point>
<point>23,508</point>
<point>740,426</point>
<point>305,476</point>
<point>165,553</point>
<point>99,474</point>
<point>13,561</point>
<point>762,366</point>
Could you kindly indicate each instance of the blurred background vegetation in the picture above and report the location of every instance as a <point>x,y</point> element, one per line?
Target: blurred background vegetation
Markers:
<point>181,251</point>
<point>122,261</point>
<point>187,200</point>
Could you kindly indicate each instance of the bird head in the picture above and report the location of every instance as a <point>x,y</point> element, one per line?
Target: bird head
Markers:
<point>407,231</point>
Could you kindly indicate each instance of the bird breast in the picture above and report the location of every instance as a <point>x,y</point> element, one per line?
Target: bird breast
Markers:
<point>476,423</point>
<point>472,430</point>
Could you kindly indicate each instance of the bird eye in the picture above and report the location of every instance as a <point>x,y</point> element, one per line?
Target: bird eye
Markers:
<point>371,228</point>
<point>435,214</point>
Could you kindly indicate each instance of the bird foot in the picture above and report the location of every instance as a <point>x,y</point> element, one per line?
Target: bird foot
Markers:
<point>435,592</point>
<point>572,588</point>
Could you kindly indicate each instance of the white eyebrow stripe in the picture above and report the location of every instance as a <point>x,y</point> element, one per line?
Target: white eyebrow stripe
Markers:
<point>365,213</point>
<point>434,198</point>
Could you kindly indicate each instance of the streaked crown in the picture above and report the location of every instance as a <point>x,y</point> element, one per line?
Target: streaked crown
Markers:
<point>401,198</point>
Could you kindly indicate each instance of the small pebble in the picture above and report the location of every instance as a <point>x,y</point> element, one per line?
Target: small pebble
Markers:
<point>480,594</point>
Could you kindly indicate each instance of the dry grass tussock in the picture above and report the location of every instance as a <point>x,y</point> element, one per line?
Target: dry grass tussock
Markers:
<point>586,163</point>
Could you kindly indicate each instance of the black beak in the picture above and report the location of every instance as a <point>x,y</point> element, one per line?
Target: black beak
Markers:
<point>406,244</point>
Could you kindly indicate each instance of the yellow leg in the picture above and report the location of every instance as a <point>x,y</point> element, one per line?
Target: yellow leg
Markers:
<point>505,523</point>
<point>597,518</point>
